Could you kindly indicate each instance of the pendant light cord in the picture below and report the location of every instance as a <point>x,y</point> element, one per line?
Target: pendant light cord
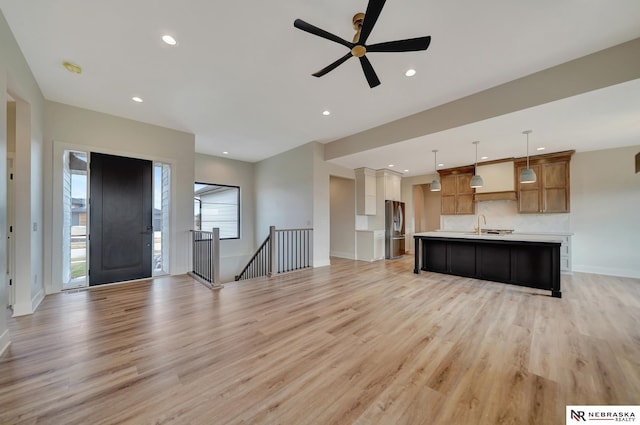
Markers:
<point>475,169</point>
<point>435,161</point>
<point>528,150</point>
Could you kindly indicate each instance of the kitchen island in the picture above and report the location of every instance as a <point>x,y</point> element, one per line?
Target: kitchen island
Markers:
<point>525,260</point>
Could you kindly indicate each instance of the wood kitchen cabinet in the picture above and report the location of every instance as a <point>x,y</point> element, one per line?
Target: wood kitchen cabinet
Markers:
<point>457,194</point>
<point>550,194</point>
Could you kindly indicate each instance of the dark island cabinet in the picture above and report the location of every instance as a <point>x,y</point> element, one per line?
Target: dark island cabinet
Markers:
<point>531,264</point>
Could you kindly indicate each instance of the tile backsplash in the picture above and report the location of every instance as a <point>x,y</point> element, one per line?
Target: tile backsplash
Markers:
<point>504,215</point>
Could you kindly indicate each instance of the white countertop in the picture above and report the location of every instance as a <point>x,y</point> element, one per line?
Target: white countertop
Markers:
<point>512,237</point>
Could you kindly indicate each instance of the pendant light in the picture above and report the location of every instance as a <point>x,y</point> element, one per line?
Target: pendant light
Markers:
<point>476,181</point>
<point>435,184</point>
<point>527,175</point>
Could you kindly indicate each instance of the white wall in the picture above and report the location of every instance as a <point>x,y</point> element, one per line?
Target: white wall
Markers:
<point>16,78</point>
<point>605,212</point>
<point>70,127</point>
<point>342,217</point>
<point>321,207</point>
<point>234,252</point>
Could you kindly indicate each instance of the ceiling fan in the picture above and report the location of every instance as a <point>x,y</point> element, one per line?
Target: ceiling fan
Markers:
<point>363,23</point>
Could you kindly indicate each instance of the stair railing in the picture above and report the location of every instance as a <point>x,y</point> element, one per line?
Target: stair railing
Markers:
<point>282,251</point>
<point>259,264</point>
<point>205,257</point>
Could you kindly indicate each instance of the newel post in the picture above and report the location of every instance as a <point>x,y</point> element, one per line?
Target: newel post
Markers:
<point>272,251</point>
<point>216,257</point>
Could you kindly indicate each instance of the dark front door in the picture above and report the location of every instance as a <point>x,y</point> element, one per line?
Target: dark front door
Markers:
<point>120,221</point>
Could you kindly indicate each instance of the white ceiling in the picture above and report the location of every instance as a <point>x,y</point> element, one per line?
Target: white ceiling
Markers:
<point>239,78</point>
<point>600,119</point>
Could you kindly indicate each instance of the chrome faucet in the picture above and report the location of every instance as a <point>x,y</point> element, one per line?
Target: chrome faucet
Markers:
<point>485,222</point>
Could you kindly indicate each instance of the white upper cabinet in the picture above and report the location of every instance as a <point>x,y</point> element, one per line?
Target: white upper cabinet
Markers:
<point>391,182</point>
<point>392,187</point>
<point>365,191</point>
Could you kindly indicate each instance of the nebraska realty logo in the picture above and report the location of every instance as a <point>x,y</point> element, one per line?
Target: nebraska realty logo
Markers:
<point>579,414</point>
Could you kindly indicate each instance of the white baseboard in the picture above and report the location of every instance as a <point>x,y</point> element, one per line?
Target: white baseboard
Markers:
<point>25,309</point>
<point>342,254</point>
<point>22,309</point>
<point>322,263</point>
<point>607,271</point>
<point>35,301</point>
<point>4,341</point>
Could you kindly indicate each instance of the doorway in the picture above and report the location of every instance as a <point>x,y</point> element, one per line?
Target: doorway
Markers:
<point>342,218</point>
<point>120,219</point>
<point>71,208</point>
<point>426,206</point>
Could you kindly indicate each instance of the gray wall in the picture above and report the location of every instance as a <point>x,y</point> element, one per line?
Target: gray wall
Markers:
<point>70,127</point>
<point>605,212</point>
<point>292,191</point>
<point>234,252</point>
<point>284,191</point>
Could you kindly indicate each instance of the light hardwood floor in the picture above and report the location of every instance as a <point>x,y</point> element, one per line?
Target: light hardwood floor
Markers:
<point>354,343</point>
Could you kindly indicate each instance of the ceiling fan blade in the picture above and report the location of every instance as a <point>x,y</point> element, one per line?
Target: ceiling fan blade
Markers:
<point>372,78</point>
<point>408,45</point>
<point>311,29</point>
<point>370,17</point>
<point>333,66</point>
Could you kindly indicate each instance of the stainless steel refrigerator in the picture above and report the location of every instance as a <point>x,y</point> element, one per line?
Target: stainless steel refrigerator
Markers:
<point>394,229</point>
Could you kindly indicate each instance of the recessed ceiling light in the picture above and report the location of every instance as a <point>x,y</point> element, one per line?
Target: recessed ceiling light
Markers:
<point>485,157</point>
<point>440,165</point>
<point>72,67</point>
<point>137,99</point>
<point>391,165</point>
<point>169,40</point>
<point>326,113</point>
<point>225,153</point>
<point>406,171</point>
<point>541,148</point>
<point>410,72</point>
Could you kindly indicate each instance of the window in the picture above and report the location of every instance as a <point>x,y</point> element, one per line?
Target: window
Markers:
<point>161,208</point>
<point>74,205</point>
<point>216,205</point>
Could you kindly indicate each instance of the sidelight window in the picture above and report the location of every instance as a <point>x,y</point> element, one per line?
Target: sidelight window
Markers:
<point>74,205</point>
<point>161,198</point>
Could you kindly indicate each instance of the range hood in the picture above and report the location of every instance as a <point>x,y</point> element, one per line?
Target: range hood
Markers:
<point>499,183</point>
<point>506,195</point>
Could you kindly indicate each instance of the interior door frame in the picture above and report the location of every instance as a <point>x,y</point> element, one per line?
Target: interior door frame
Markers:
<point>11,239</point>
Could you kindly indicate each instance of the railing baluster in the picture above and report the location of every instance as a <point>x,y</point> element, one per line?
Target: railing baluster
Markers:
<point>205,256</point>
<point>282,251</point>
